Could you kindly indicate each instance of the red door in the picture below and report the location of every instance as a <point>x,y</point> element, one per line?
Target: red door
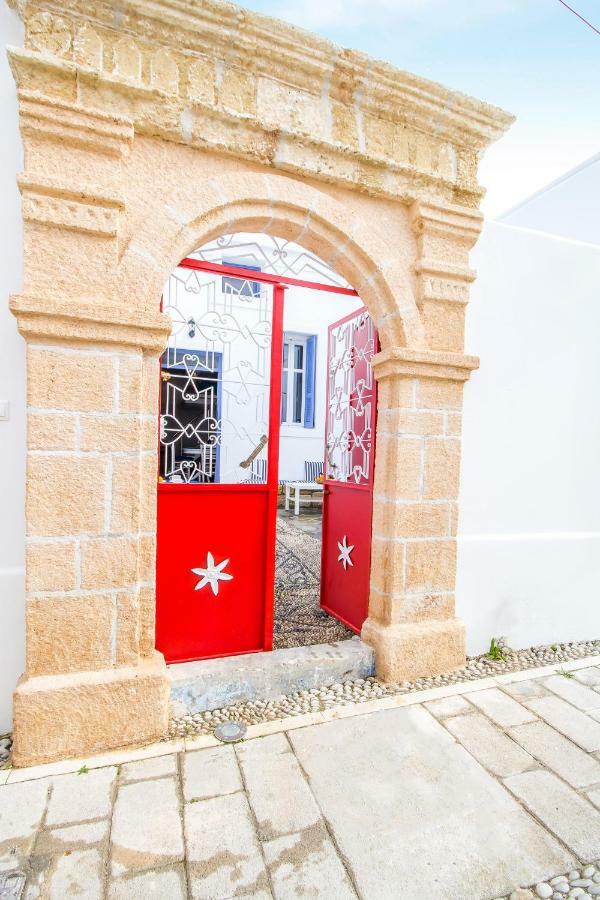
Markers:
<point>349,456</point>
<point>219,441</point>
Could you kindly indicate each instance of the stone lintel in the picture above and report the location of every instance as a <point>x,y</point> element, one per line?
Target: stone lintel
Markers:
<point>400,361</point>
<point>57,716</point>
<point>90,322</point>
<point>53,117</point>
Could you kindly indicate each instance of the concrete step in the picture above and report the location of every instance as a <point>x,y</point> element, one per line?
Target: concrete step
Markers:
<point>213,683</point>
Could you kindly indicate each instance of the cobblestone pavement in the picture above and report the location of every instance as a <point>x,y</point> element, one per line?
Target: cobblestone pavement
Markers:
<point>464,792</point>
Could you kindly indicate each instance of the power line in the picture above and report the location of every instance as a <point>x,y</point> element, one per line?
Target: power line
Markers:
<point>575,13</point>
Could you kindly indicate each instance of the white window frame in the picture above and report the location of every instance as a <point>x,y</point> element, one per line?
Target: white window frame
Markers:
<point>292,340</point>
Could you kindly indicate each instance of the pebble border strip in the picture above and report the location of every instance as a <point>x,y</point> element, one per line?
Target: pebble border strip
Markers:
<point>362,689</point>
<point>583,884</point>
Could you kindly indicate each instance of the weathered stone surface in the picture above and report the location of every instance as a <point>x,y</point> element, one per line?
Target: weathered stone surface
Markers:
<point>305,864</point>
<point>222,849</point>
<point>210,684</point>
<point>590,676</point>
<point>75,798</point>
<point>449,706</point>
<point>168,884</point>
<point>448,827</point>
<point>489,746</point>
<point>569,816</point>
<point>579,769</point>
<point>505,711</point>
<point>575,725</point>
<point>155,767</point>
<point>21,809</point>
<point>577,694</point>
<point>210,773</point>
<point>274,756</point>
<point>67,838</point>
<point>77,874</point>
<point>525,690</point>
<point>146,831</point>
<point>80,713</point>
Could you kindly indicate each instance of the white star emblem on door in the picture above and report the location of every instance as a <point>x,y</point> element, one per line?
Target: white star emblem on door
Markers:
<point>345,552</point>
<point>212,574</point>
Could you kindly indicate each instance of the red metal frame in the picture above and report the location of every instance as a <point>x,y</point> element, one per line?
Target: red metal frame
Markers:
<point>251,275</point>
<point>279,285</point>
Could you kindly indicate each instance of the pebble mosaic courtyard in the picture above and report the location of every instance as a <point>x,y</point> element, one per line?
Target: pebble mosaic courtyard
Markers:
<point>472,791</point>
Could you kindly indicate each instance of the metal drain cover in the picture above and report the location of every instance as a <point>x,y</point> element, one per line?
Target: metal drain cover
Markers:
<point>11,885</point>
<point>230,732</point>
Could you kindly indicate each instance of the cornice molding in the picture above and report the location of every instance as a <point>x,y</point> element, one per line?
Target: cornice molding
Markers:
<point>173,67</point>
<point>403,362</point>
<point>89,322</point>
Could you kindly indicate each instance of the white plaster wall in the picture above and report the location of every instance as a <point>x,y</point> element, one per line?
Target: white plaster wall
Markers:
<point>12,386</point>
<point>529,536</point>
<point>568,207</point>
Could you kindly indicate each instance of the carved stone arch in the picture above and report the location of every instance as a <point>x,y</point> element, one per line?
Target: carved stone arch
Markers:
<point>144,137</point>
<point>362,253</point>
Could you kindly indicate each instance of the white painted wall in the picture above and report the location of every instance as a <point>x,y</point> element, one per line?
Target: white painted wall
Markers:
<point>568,207</point>
<point>12,387</point>
<point>529,537</point>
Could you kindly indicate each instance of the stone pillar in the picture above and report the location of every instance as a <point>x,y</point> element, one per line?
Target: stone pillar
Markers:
<point>93,679</point>
<point>411,623</point>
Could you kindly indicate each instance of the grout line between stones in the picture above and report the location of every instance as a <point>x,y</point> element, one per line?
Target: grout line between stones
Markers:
<point>328,828</point>
<point>254,819</point>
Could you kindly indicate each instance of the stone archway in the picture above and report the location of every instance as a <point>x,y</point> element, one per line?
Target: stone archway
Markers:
<point>137,152</point>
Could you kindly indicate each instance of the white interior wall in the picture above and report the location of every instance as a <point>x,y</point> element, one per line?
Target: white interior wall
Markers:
<point>12,387</point>
<point>529,536</point>
<point>310,312</point>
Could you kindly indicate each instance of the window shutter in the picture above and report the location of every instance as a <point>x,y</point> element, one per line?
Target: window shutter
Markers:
<point>309,397</point>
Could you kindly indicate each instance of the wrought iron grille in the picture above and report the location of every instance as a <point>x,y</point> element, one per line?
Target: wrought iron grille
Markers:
<point>350,401</point>
<point>215,379</point>
<point>272,255</point>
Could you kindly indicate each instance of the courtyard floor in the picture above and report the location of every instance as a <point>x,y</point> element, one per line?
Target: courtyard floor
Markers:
<point>299,620</point>
<point>462,792</point>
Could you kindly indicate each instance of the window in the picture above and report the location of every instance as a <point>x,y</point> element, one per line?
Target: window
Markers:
<point>298,380</point>
<point>238,285</point>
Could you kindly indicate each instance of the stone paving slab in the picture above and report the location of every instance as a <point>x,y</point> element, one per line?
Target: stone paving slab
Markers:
<point>428,795</point>
<point>561,809</point>
<point>210,773</point>
<point>146,831</point>
<point>555,751</point>
<point>271,772</point>
<point>500,708</point>
<point>306,864</point>
<point>569,689</point>
<point>583,730</point>
<point>224,855</point>
<point>490,746</point>
<point>422,813</point>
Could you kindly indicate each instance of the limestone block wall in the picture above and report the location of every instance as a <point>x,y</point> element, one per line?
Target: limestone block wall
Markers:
<point>144,137</point>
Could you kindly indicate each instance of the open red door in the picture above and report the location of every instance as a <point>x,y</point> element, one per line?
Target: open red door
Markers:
<point>349,456</point>
<point>219,444</point>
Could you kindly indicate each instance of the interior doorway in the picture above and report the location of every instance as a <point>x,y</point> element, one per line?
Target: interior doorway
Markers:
<point>267,430</point>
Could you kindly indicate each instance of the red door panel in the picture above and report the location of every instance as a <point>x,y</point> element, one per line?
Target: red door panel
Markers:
<point>349,455</point>
<point>219,439</point>
<point>225,615</point>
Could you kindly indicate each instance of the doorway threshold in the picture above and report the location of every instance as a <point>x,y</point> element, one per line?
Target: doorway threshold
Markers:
<point>213,683</point>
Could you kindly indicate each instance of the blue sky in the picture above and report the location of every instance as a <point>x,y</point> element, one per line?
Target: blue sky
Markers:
<point>532,57</point>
